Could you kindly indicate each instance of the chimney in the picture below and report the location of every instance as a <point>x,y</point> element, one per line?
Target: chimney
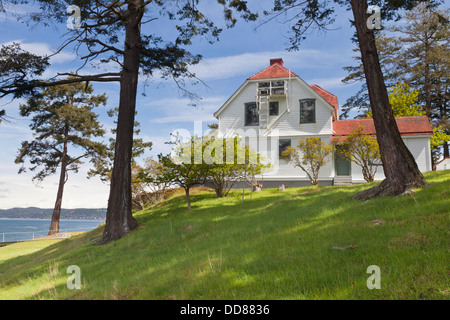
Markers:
<point>278,61</point>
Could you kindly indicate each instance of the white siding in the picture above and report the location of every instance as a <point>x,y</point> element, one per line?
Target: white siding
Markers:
<point>287,123</point>
<point>285,170</point>
<point>443,165</point>
<point>418,146</point>
<point>233,116</point>
<point>287,126</point>
<point>357,176</point>
<point>420,149</point>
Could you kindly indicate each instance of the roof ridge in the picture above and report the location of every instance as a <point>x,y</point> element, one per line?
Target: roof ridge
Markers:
<point>271,66</point>
<point>359,119</point>
<point>410,125</point>
<point>326,91</point>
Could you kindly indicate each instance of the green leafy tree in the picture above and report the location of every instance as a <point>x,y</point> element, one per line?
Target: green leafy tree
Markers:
<point>141,197</point>
<point>147,188</point>
<point>314,154</point>
<point>185,167</point>
<point>361,149</point>
<point>403,100</point>
<point>62,119</point>
<point>238,162</point>
<point>439,138</point>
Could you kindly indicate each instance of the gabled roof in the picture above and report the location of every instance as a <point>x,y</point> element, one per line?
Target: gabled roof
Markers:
<point>275,70</point>
<point>329,97</point>
<point>416,125</point>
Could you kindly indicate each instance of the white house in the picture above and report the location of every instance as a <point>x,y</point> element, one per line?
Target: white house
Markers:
<point>444,164</point>
<point>275,107</point>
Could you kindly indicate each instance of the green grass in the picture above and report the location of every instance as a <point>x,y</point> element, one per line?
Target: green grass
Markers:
<point>279,245</point>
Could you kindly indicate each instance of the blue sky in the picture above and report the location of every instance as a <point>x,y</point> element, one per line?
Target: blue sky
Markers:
<point>240,53</point>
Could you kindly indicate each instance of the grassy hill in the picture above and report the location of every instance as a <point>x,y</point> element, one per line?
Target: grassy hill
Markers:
<point>279,245</point>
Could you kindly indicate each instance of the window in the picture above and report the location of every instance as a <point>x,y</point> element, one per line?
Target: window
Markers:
<point>307,111</point>
<point>251,114</point>
<point>264,88</point>
<point>277,87</point>
<point>273,108</point>
<point>271,88</point>
<point>283,144</point>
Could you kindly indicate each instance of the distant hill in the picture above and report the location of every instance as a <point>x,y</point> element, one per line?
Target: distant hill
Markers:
<point>39,213</point>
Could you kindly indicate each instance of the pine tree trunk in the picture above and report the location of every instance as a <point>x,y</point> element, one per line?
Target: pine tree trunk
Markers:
<point>443,113</point>
<point>119,219</point>
<point>54,224</point>
<point>427,81</point>
<point>399,166</point>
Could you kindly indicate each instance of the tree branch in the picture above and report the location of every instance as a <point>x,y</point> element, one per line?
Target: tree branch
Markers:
<point>78,158</point>
<point>104,45</point>
<point>104,77</point>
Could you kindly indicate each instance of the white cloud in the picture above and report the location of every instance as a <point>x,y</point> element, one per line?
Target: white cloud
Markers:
<point>23,193</point>
<point>173,110</point>
<point>15,10</point>
<point>329,83</point>
<point>185,118</point>
<point>227,67</point>
<point>43,49</point>
<point>248,64</point>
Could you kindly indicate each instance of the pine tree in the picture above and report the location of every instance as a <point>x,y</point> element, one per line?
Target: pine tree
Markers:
<point>416,53</point>
<point>62,118</point>
<point>113,32</point>
<point>103,167</point>
<point>399,166</point>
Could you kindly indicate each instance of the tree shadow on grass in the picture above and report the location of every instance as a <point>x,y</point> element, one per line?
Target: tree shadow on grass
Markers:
<point>276,246</point>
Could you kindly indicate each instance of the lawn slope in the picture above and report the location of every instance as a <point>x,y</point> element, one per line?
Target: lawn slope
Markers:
<point>278,245</point>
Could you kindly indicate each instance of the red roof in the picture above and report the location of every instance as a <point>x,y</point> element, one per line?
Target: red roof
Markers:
<point>406,125</point>
<point>275,70</point>
<point>329,97</point>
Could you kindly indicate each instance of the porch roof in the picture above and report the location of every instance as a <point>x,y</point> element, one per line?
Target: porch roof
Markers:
<point>417,125</point>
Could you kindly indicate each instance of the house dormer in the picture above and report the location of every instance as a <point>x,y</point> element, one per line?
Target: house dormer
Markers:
<point>276,98</point>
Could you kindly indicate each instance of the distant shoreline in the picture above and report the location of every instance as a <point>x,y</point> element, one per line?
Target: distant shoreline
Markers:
<point>44,214</point>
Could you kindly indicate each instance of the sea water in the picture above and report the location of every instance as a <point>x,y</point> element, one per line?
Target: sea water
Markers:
<point>28,229</point>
